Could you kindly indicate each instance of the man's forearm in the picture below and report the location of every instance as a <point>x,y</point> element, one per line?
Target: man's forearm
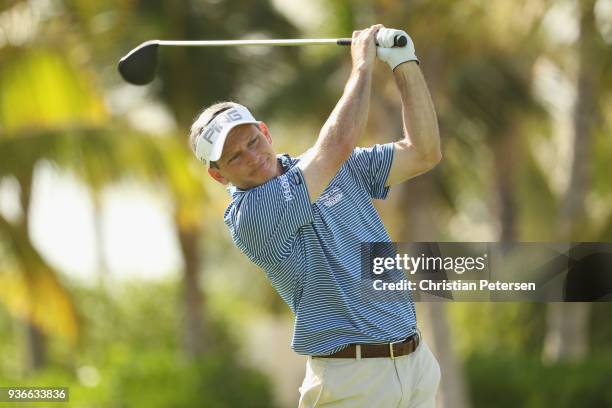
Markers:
<point>339,134</point>
<point>418,113</point>
<point>348,119</point>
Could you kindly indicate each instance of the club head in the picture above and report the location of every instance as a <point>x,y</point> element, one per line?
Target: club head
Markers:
<point>138,67</point>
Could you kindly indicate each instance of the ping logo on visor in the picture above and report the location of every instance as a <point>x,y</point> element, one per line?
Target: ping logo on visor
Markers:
<point>210,141</point>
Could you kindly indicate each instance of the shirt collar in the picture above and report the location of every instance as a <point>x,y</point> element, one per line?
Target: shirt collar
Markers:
<point>286,163</point>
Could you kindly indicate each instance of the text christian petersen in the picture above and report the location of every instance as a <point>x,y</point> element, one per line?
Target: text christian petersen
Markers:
<point>459,265</point>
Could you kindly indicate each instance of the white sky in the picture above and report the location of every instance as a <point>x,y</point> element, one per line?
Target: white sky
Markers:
<point>139,239</point>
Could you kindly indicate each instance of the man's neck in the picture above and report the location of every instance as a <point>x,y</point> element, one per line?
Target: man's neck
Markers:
<point>279,167</point>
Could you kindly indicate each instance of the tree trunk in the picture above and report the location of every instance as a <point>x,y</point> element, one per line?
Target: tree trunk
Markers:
<point>101,264</point>
<point>418,224</point>
<point>36,356</point>
<point>37,347</point>
<point>438,334</point>
<point>567,335</point>
<point>194,343</point>
<point>566,331</point>
<point>585,114</point>
<point>506,153</point>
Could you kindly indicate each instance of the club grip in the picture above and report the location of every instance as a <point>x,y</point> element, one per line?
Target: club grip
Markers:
<point>398,41</point>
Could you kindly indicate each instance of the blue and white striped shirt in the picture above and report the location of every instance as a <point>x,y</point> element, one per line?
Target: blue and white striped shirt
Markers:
<point>311,252</point>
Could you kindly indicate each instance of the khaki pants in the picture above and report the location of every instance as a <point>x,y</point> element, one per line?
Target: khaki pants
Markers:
<point>407,381</point>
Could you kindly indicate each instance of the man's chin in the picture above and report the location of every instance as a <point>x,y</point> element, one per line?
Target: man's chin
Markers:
<point>258,181</point>
<point>265,178</point>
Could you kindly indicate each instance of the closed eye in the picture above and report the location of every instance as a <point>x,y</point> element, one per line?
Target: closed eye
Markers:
<point>250,144</point>
<point>234,157</point>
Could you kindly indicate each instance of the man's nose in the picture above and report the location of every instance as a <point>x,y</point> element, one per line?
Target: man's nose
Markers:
<point>251,157</point>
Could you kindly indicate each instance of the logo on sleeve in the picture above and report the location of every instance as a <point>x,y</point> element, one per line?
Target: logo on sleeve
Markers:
<point>286,188</point>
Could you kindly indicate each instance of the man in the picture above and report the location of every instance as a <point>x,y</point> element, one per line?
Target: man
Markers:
<point>302,220</point>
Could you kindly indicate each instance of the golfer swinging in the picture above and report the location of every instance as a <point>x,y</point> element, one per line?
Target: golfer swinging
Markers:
<point>302,221</point>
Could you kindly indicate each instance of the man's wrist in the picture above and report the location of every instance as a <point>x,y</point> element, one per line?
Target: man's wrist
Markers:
<point>409,65</point>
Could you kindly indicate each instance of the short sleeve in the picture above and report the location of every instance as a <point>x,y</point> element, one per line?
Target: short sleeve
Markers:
<point>265,219</point>
<point>372,166</point>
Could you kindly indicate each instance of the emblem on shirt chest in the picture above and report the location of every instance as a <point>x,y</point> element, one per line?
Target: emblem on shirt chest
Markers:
<point>331,197</point>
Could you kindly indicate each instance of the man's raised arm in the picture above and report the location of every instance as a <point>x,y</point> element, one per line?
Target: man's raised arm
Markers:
<point>340,132</point>
<point>419,150</point>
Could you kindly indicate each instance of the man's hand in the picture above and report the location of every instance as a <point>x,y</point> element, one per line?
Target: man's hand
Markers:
<point>394,56</point>
<point>363,47</point>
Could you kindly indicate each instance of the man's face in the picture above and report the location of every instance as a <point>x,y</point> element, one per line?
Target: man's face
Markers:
<point>248,159</point>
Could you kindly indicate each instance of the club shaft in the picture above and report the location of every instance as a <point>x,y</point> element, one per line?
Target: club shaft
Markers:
<point>226,43</point>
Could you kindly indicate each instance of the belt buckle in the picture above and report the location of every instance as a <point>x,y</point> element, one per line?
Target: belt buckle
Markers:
<point>391,348</point>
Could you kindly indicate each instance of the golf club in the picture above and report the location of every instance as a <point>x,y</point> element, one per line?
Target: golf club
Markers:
<point>138,66</point>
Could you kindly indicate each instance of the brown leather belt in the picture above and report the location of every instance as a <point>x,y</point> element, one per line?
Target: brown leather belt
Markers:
<point>393,350</point>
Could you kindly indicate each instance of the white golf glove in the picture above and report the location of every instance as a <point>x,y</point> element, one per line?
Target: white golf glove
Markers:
<point>394,55</point>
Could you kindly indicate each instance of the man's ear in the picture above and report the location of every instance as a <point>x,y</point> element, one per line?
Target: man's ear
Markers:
<point>264,129</point>
<point>214,173</point>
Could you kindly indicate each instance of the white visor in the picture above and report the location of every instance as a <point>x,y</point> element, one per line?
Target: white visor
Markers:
<point>210,141</point>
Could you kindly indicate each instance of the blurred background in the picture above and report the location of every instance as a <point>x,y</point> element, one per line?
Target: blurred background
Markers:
<point>118,278</point>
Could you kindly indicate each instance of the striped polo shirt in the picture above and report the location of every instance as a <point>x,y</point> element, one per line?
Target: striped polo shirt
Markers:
<point>311,252</point>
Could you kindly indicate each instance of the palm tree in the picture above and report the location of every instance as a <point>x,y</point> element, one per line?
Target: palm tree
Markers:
<point>50,111</point>
<point>568,323</point>
<point>32,289</point>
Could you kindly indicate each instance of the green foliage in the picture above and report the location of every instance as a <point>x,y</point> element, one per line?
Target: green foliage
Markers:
<point>498,327</point>
<point>491,90</point>
<point>40,88</point>
<point>601,329</point>
<point>517,328</point>
<point>540,207</point>
<point>520,380</point>
<point>130,356</point>
<point>162,380</point>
